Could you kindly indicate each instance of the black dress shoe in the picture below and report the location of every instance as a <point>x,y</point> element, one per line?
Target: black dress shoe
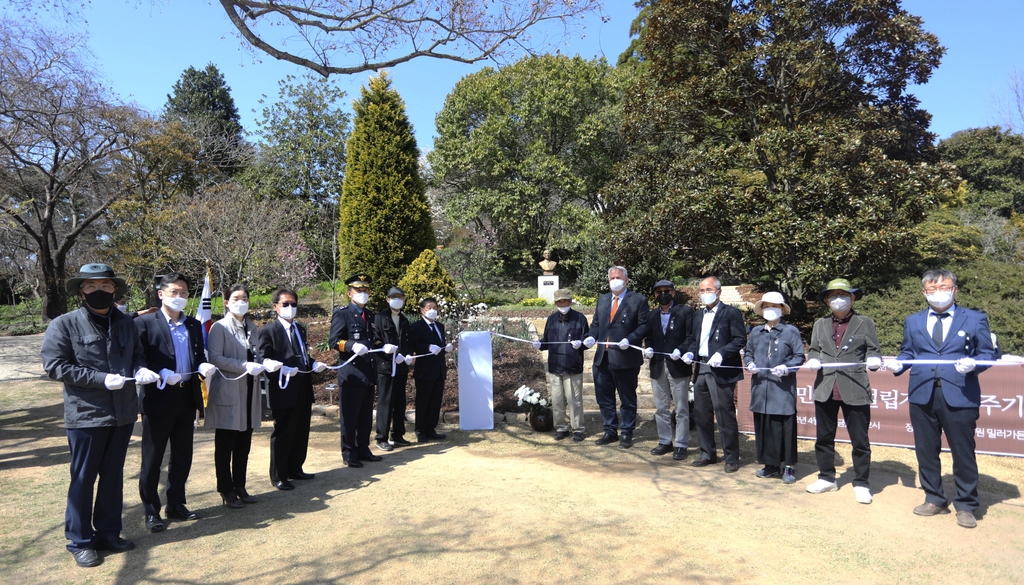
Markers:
<point>435,435</point>
<point>87,557</point>
<point>701,462</point>
<point>679,454</point>
<point>661,449</point>
<point>154,523</point>
<point>245,497</point>
<point>626,442</point>
<point>607,438</point>
<point>370,457</point>
<point>577,436</point>
<point>303,475</point>
<point>732,467</point>
<point>384,446</point>
<point>284,485</point>
<point>180,512</point>
<point>116,544</point>
<point>400,442</point>
<point>354,462</point>
<point>231,500</point>
<point>561,435</point>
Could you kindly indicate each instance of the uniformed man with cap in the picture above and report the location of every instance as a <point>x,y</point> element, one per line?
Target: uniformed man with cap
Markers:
<point>352,335</point>
<point>391,329</point>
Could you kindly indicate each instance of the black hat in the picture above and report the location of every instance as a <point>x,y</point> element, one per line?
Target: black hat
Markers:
<point>96,271</point>
<point>395,291</point>
<point>358,280</point>
<point>662,283</point>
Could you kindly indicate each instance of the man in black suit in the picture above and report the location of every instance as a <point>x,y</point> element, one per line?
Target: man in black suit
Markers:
<point>670,325</point>
<point>431,371</point>
<point>391,328</point>
<point>718,336</point>
<point>281,345</point>
<point>352,335</point>
<point>173,345</point>
<point>620,320</point>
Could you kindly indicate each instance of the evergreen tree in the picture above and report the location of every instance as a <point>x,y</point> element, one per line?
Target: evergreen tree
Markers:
<point>384,218</point>
<point>202,101</point>
<point>424,278</point>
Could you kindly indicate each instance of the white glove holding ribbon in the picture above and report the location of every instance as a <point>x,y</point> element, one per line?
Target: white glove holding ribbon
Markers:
<point>752,368</point>
<point>289,371</point>
<point>449,347</point>
<point>434,349</point>
<point>893,366</point>
<point>320,366</point>
<point>146,376</point>
<point>576,343</point>
<point>254,369</point>
<point>648,352</point>
<point>409,360</point>
<point>675,355</point>
<point>965,365</point>
<point>272,365</point>
<point>589,342</point>
<point>359,348</point>
<point>624,343</point>
<point>715,360</point>
<point>113,381</point>
<point>813,364</point>
<point>780,371</point>
<point>688,358</point>
<point>390,349</point>
<point>536,345</point>
<point>873,363</point>
<point>207,369</point>
<point>169,377</point>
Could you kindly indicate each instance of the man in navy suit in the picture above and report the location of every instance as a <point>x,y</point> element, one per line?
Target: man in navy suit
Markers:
<point>173,346</point>
<point>427,337</point>
<point>620,320</point>
<point>718,336</point>
<point>670,325</point>
<point>945,398</point>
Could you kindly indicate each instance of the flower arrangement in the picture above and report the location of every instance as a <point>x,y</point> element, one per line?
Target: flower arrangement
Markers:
<point>532,398</point>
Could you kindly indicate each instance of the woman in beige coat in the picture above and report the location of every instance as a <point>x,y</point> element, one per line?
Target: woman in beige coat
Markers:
<point>233,407</point>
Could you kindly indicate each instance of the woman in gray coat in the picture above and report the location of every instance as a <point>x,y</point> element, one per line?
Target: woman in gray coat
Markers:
<point>774,351</point>
<point>233,407</point>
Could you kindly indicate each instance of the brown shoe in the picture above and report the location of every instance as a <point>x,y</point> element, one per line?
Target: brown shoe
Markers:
<point>930,509</point>
<point>966,519</point>
<point>732,467</point>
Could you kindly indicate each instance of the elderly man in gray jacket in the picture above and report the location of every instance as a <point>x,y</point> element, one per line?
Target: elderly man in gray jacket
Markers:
<point>96,351</point>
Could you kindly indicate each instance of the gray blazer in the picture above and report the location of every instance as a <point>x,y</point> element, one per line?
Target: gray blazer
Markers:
<point>859,343</point>
<point>226,404</point>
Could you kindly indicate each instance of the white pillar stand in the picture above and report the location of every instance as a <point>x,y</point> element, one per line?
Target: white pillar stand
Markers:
<point>546,287</point>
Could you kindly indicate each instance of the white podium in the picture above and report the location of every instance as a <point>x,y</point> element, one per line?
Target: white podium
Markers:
<point>546,287</point>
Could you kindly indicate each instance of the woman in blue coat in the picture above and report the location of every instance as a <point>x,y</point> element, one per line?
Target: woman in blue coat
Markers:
<point>774,351</point>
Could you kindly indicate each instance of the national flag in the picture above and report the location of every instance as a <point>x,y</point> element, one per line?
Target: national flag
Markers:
<point>203,313</point>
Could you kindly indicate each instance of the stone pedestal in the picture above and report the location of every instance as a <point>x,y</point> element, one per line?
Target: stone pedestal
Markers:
<point>546,287</point>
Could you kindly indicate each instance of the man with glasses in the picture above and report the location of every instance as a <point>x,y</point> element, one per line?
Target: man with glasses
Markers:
<point>945,398</point>
<point>95,351</point>
<point>670,325</point>
<point>173,345</point>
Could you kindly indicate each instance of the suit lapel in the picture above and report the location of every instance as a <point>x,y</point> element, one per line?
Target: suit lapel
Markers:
<point>165,330</point>
<point>956,325</point>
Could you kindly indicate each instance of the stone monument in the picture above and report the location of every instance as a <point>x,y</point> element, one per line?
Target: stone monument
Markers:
<point>547,283</point>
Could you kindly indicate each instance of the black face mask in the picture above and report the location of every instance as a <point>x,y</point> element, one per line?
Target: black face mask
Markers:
<point>99,299</point>
<point>664,298</point>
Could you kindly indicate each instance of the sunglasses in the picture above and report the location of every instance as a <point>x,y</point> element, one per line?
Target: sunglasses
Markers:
<point>286,304</point>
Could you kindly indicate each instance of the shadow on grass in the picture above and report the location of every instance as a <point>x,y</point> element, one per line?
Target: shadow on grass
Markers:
<point>23,431</point>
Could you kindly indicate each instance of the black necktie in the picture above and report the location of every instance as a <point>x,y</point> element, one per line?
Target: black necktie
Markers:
<point>937,330</point>
<point>437,332</point>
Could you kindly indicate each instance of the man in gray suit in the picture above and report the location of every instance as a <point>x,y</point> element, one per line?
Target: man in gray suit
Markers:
<point>620,320</point>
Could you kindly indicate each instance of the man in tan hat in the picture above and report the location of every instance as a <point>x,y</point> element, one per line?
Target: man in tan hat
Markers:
<point>563,338</point>
<point>845,336</point>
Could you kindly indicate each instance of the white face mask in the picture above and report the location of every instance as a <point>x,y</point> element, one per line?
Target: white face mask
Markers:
<point>431,314</point>
<point>239,308</point>
<point>940,299</point>
<point>396,304</point>
<point>772,313</point>
<point>839,304</point>
<point>361,298</point>
<point>122,308</point>
<point>176,304</point>
<point>616,284</point>
<point>288,312</point>
<point>563,310</point>
<point>708,298</point>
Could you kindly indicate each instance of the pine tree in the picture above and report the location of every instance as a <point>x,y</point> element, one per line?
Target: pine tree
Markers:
<point>201,100</point>
<point>384,218</point>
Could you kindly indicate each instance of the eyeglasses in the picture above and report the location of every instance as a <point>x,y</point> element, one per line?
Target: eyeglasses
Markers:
<point>935,289</point>
<point>93,287</point>
<point>175,293</point>
<point>662,291</point>
<point>288,304</point>
<point>707,290</point>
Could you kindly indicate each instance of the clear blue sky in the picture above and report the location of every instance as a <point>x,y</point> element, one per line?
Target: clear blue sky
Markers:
<point>142,46</point>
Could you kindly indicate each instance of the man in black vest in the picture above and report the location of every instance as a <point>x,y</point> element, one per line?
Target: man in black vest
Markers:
<point>391,329</point>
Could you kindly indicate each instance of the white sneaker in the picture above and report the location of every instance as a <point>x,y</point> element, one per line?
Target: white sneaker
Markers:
<point>821,486</point>
<point>862,494</point>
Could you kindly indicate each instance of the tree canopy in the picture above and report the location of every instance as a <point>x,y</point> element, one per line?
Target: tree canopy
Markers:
<point>202,101</point>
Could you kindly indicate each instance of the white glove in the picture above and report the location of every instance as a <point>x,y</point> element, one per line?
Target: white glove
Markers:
<point>449,347</point>
<point>359,348</point>
<point>873,363</point>
<point>780,371</point>
<point>434,349</point>
<point>675,355</point>
<point>589,342</point>
<point>207,369</point>
<point>320,366</point>
<point>536,345</point>
<point>715,360</point>
<point>113,381</point>
<point>965,365</point>
<point>815,364</point>
<point>688,358</point>
<point>624,344</point>
<point>893,366</point>
<point>254,369</point>
<point>289,371</point>
<point>390,349</point>
<point>648,352</point>
<point>576,343</point>
<point>272,365</point>
<point>752,367</point>
<point>170,377</point>
<point>146,376</point>
<point>409,360</point>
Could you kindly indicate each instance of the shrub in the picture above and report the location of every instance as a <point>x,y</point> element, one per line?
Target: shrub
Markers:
<point>536,302</point>
<point>426,278</point>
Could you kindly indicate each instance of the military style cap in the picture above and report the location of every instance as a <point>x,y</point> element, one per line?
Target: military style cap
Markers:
<point>358,280</point>
<point>563,294</point>
<point>840,284</point>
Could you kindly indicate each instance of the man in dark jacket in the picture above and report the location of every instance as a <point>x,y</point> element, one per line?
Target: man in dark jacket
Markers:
<point>391,328</point>
<point>95,351</point>
<point>563,338</point>
<point>670,325</point>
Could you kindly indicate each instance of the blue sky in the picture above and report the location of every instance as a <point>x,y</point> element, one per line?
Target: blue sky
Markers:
<point>141,48</point>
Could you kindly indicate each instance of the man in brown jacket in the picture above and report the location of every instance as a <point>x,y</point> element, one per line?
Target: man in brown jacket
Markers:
<point>843,337</point>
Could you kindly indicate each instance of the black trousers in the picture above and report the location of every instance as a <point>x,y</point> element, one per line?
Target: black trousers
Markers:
<point>356,404</point>
<point>710,400</point>
<point>775,439</point>
<point>930,422</point>
<point>177,429</point>
<point>608,381</point>
<point>96,452</point>
<point>391,403</point>
<point>231,458</point>
<point>429,394</point>
<point>858,419</point>
<point>289,440</point>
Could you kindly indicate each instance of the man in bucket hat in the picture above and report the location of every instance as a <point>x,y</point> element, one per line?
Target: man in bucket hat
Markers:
<point>96,352</point>
<point>564,332</point>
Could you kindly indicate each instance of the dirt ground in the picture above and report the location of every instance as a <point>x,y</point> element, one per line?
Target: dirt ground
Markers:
<point>505,506</point>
